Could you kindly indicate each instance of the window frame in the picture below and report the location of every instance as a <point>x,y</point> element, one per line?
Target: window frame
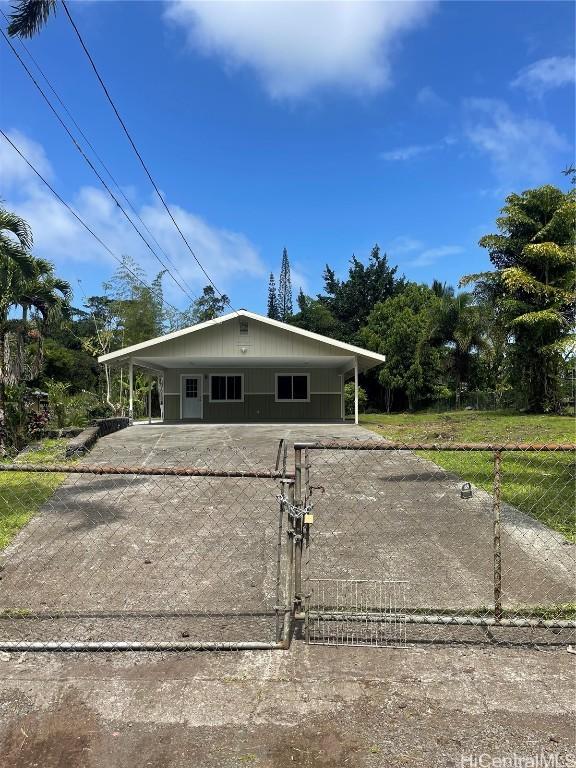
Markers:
<point>291,399</point>
<point>226,399</point>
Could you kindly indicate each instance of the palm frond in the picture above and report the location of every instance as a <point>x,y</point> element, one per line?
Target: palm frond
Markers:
<point>18,227</point>
<point>29,16</point>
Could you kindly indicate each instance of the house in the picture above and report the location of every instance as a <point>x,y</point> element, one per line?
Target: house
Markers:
<point>244,367</point>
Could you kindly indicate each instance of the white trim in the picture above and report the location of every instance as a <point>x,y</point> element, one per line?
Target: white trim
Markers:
<point>200,393</point>
<point>291,400</point>
<point>342,400</point>
<point>253,316</point>
<point>210,400</point>
<point>355,390</point>
<point>175,394</point>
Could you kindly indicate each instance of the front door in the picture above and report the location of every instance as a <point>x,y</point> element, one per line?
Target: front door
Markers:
<point>191,397</point>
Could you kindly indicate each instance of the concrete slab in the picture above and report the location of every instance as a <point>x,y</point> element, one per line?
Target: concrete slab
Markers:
<point>310,707</point>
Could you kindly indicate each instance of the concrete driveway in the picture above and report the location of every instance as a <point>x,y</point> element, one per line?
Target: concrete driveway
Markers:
<point>134,557</point>
<point>144,558</point>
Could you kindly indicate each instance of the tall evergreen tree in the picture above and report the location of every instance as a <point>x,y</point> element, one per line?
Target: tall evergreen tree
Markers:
<point>272,299</point>
<point>285,289</point>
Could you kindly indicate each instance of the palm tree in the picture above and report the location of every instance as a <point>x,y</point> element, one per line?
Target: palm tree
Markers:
<point>29,16</point>
<point>30,284</point>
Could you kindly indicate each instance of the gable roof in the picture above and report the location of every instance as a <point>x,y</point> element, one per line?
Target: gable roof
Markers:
<point>351,348</point>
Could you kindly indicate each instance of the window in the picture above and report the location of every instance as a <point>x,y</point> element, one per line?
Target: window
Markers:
<point>223,388</point>
<point>292,386</point>
<point>192,388</point>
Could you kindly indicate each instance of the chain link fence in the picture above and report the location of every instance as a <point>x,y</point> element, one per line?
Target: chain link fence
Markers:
<point>482,535</point>
<point>226,547</point>
<point>140,549</point>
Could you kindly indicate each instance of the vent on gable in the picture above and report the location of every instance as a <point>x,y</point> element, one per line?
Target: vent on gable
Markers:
<point>243,326</point>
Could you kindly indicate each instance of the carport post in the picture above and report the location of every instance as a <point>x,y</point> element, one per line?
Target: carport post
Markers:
<point>355,390</point>
<point>150,399</point>
<point>130,388</point>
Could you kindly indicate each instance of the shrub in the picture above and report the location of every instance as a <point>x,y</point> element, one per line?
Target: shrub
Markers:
<point>349,399</point>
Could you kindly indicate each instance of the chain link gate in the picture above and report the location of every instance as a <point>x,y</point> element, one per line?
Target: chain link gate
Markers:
<point>436,542</point>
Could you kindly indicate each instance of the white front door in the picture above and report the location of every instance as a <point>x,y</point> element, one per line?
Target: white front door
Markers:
<point>191,397</point>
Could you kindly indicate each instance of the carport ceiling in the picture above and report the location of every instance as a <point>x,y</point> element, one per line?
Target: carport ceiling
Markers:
<point>240,361</point>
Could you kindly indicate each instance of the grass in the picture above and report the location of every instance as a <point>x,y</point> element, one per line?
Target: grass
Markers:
<point>23,493</point>
<point>540,484</point>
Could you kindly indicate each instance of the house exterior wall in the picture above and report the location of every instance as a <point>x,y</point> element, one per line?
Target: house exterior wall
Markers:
<point>259,396</point>
<point>225,340</point>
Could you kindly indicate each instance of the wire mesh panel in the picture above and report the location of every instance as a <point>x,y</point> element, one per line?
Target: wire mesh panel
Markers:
<point>481,535</point>
<point>355,612</point>
<point>168,546</point>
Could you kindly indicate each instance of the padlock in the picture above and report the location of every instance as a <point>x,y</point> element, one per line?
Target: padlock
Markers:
<point>308,518</point>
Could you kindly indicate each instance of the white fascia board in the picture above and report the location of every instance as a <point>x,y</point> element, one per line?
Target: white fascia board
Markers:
<point>127,351</point>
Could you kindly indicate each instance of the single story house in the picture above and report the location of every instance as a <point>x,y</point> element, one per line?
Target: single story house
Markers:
<point>244,367</point>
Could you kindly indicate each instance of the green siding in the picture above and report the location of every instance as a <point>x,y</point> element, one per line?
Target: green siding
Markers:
<point>259,399</point>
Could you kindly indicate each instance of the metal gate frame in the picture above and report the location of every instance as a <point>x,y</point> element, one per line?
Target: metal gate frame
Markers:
<point>303,496</point>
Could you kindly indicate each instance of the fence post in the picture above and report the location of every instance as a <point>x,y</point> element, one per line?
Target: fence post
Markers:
<point>298,528</point>
<point>497,542</point>
<point>288,491</point>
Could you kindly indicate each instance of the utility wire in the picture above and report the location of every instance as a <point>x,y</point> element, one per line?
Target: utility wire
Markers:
<point>97,156</point>
<point>138,155</point>
<point>92,167</point>
<point>82,222</point>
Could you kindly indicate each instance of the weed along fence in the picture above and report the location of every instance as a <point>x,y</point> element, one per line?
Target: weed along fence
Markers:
<point>345,543</point>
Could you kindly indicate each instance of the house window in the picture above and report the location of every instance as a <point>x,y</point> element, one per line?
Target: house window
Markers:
<point>192,388</point>
<point>292,386</point>
<point>225,387</point>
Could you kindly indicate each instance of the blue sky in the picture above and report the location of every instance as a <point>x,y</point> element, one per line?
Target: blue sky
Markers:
<point>322,127</point>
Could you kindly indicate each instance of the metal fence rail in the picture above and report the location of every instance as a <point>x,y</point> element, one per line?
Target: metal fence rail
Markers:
<point>482,533</point>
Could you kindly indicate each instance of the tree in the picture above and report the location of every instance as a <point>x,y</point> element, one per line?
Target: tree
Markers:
<point>285,289</point>
<point>209,305</point>
<point>273,312</point>
<point>458,324</point>
<point>533,287</point>
<point>350,301</point>
<point>16,266</point>
<point>314,316</point>
<point>27,17</point>
<point>400,329</point>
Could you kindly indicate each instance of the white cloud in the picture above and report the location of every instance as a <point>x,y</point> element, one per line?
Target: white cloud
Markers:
<point>521,150</point>
<point>297,47</point>
<point>414,253</point>
<point>411,151</point>
<point>430,256</point>
<point>14,169</point>
<point>545,74</point>
<point>58,236</point>
<point>427,97</point>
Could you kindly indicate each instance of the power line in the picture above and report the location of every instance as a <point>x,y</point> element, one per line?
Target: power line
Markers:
<point>92,167</point>
<point>97,156</point>
<point>138,155</point>
<point>82,222</point>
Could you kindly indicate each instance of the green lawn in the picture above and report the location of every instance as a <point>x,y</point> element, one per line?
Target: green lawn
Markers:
<point>23,493</point>
<point>541,484</point>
